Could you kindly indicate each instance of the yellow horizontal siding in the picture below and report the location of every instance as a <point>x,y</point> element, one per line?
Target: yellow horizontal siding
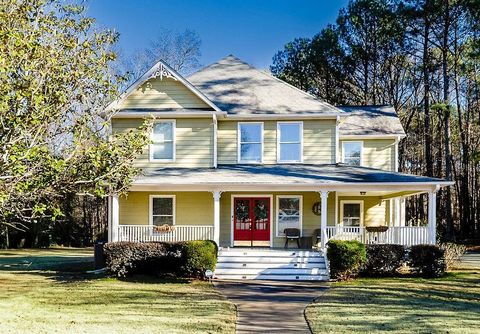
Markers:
<point>162,93</point>
<point>193,142</point>
<point>318,142</point>
<point>375,210</point>
<point>191,208</point>
<point>377,153</point>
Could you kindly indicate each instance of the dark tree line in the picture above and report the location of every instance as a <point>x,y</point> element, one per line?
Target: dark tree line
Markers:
<point>422,57</point>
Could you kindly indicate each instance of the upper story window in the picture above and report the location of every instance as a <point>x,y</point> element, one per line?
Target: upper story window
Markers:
<point>250,142</point>
<point>289,141</point>
<point>163,141</point>
<point>352,153</point>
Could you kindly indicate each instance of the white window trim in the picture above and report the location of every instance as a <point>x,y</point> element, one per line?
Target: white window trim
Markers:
<point>277,205</point>
<point>174,126</point>
<point>342,202</point>
<point>279,143</point>
<point>239,157</point>
<point>351,142</point>
<point>150,214</point>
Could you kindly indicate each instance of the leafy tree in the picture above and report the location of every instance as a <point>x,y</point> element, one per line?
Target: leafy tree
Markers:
<point>54,130</point>
<point>180,50</point>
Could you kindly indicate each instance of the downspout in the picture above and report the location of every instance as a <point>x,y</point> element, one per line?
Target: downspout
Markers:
<point>215,133</point>
<point>337,139</point>
<point>397,140</point>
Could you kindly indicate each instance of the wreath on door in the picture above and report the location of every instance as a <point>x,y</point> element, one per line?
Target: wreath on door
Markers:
<point>260,210</point>
<point>241,211</point>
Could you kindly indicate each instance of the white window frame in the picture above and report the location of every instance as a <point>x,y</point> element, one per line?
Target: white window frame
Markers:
<point>342,202</point>
<point>277,206</point>
<point>352,142</point>
<point>279,143</point>
<point>174,141</point>
<point>239,138</point>
<point>150,214</point>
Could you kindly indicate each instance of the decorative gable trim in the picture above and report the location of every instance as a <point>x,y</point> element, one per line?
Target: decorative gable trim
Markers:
<point>160,69</point>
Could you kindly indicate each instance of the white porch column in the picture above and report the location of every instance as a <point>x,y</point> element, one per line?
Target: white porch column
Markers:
<point>114,215</point>
<point>432,217</point>
<point>398,212</point>
<point>216,216</point>
<point>323,218</point>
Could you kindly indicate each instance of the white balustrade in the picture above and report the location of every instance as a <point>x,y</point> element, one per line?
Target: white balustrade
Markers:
<point>144,233</point>
<point>402,235</point>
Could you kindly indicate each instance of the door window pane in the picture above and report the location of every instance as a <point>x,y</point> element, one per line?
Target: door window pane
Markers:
<point>288,214</point>
<point>351,214</point>
<point>250,142</point>
<point>290,142</point>
<point>352,153</point>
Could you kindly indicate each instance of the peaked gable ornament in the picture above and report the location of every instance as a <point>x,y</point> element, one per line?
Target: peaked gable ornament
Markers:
<point>161,72</point>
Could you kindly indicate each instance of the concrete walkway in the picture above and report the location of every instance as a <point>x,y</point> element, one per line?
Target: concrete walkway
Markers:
<point>471,260</point>
<point>271,307</point>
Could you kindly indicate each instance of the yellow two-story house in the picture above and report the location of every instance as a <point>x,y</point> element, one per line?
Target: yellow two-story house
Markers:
<point>240,157</point>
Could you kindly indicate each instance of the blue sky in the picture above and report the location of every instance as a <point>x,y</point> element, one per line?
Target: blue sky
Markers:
<point>251,30</point>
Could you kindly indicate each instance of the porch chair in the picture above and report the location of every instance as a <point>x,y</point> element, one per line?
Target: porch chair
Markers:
<point>292,234</point>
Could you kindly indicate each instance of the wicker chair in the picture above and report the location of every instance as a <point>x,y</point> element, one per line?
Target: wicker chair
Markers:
<point>292,234</point>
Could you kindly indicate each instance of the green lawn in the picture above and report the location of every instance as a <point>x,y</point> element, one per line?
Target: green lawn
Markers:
<point>48,291</point>
<point>401,305</point>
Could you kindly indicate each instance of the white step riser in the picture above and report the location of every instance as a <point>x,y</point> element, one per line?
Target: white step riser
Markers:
<point>307,254</point>
<point>270,271</point>
<point>275,277</point>
<point>231,265</point>
<point>265,259</point>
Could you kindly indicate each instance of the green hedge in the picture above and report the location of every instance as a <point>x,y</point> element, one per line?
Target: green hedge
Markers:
<point>383,260</point>
<point>427,260</point>
<point>345,258</point>
<point>183,259</point>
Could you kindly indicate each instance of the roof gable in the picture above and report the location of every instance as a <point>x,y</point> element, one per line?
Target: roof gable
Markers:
<point>162,88</point>
<point>240,89</point>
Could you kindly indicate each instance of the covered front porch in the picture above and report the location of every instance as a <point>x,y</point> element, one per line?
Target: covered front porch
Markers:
<point>253,205</point>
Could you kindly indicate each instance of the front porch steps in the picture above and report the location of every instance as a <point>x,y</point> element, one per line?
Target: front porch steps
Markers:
<point>270,264</point>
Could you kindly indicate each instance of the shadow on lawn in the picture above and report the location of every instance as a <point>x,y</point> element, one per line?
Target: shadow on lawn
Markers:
<point>388,305</point>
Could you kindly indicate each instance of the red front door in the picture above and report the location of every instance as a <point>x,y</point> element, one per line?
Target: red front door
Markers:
<point>251,219</point>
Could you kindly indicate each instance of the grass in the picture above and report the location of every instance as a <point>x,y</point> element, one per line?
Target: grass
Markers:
<point>399,305</point>
<point>49,291</point>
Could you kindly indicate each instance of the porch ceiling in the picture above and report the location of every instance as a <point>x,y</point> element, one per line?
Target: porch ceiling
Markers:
<point>292,177</point>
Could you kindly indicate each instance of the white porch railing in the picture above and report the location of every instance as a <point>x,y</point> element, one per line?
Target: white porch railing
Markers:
<point>402,235</point>
<point>144,233</point>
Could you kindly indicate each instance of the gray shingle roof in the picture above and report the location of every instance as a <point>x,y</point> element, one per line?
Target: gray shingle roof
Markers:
<point>278,175</point>
<point>238,88</point>
<point>370,120</point>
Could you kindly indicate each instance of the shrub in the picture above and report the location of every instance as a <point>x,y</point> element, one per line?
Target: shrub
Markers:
<point>128,258</point>
<point>197,257</point>
<point>345,257</point>
<point>183,259</point>
<point>453,253</point>
<point>427,260</point>
<point>383,260</point>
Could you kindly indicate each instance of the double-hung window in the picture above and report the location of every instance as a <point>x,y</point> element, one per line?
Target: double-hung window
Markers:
<point>162,147</point>
<point>289,141</point>
<point>351,213</point>
<point>289,213</point>
<point>162,210</point>
<point>352,153</point>
<point>250,142</point>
